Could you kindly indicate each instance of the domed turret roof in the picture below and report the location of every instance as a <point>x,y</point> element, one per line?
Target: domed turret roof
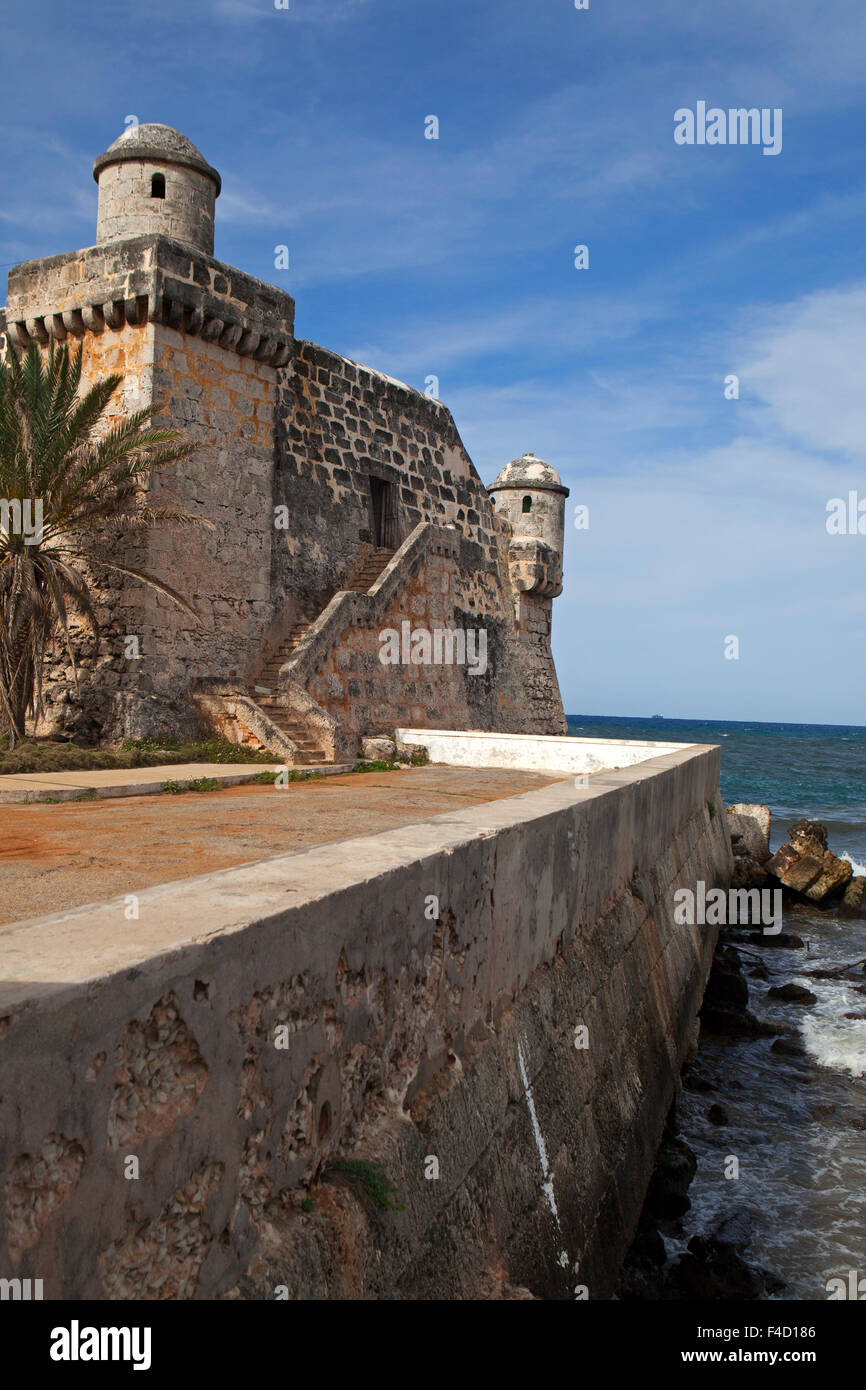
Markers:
<point>529,472</point>
<point>160,142</point>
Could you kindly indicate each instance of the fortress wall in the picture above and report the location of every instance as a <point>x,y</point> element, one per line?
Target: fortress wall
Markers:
<point>369,695</point>
<point>430,981</point>
<point>540,681</point>
<point>338,423</point>
<point>225,405</point>
<point>109,679</point>
<point>204,342</point>
<point>289,436</point>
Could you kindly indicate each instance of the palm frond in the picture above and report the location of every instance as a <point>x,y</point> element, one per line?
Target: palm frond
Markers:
<point>93,484</point>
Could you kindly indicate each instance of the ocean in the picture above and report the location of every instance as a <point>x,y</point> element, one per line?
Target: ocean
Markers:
<point>797,1127</point>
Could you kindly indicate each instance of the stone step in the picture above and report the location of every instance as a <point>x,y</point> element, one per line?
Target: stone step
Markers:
<point>370,571</point>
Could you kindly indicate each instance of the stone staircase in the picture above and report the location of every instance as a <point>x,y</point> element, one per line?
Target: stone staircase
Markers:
<point>269,676</point>
<point>369,571</point>
<point>270,672</point>
<point>308,749</point>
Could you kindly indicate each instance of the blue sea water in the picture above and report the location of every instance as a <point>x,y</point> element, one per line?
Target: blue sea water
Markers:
<point>797,1127</point>
<point>812,770</point>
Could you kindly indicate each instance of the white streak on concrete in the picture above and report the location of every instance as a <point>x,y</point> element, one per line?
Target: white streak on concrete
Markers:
<point>547,1185</point>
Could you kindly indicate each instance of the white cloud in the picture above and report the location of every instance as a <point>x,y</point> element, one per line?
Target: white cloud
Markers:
<point>807,369</point>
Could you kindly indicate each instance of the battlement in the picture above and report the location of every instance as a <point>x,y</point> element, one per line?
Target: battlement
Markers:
<point>149,279</point>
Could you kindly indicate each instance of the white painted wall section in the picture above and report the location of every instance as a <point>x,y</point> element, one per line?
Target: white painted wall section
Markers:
<point>532,752</point>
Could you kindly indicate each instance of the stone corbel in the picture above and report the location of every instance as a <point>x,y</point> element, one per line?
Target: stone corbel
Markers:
<point>173,316</point>
<point>231,335</point>
<point>92,317</point>
<point>36,328</point>
<point>113,313</point>
<point>212,329</point>
<point>73,322</point>
<point>247,343</point>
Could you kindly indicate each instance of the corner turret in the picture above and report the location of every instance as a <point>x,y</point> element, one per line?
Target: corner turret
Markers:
<point>529,495</point>
<point>152,179</point>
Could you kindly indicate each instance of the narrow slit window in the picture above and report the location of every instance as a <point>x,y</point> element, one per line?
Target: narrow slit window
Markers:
<point>157,186</point>
<point>527,504</point>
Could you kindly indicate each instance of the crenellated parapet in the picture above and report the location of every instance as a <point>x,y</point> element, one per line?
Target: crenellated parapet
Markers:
<point>149,279</point>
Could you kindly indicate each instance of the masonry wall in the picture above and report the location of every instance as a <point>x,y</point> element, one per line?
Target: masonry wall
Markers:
<point>409,1034</point>
<point>225,405</point>
<point>110,682</point>
<point>338,425</point>
<point>369,695</point>
<point>288,437</point>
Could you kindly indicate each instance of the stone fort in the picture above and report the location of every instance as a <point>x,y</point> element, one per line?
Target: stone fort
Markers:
<point>342,505</point>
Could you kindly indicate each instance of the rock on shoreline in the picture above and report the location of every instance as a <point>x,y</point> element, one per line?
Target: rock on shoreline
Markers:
<point>750,843</point>
<point>807,866</point>
<point>804,865</point>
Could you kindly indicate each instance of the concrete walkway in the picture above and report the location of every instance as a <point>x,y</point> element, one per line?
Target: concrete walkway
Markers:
<point>54,858</point>
<point>134,781</point>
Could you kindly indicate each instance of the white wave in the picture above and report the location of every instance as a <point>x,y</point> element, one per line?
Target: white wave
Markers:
<point>839,1045</point>
<point>859,869</point>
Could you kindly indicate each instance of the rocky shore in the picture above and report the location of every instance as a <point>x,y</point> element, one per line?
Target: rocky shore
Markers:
<point>714,1264</point>
<point>804,867</point>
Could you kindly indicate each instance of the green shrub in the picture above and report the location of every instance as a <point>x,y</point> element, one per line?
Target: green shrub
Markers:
<point>372,1179</point>
<point>50,755</point>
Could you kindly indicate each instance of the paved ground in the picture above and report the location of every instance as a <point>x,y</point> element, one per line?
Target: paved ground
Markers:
<point>119,781</point>
<point>56,857</point>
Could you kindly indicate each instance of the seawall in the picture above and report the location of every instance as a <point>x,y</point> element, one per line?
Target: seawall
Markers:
<point>502,990</point>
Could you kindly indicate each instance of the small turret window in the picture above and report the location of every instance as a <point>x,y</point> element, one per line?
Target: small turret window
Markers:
<point>157,186</point>
<point>527,504</point>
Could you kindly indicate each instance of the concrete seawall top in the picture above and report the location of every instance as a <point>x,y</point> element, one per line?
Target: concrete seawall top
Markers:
<point>76,951</point>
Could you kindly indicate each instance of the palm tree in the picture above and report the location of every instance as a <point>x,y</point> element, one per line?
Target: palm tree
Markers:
<point>74,483</point>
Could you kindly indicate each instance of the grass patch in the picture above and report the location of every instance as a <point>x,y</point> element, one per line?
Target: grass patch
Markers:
<point>272,779</point>
<point>88,795</point>
<point>50,755</point>
<point>372,1178</point>
<point>307,1204</point>
<point>264,780</point>
<point>204,784</point>
<point>172,788</point>
<point>712,810</point>
<point>419,759</point>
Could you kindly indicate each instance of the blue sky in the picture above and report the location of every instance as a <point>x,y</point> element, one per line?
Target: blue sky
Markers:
<point>454,258</point>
